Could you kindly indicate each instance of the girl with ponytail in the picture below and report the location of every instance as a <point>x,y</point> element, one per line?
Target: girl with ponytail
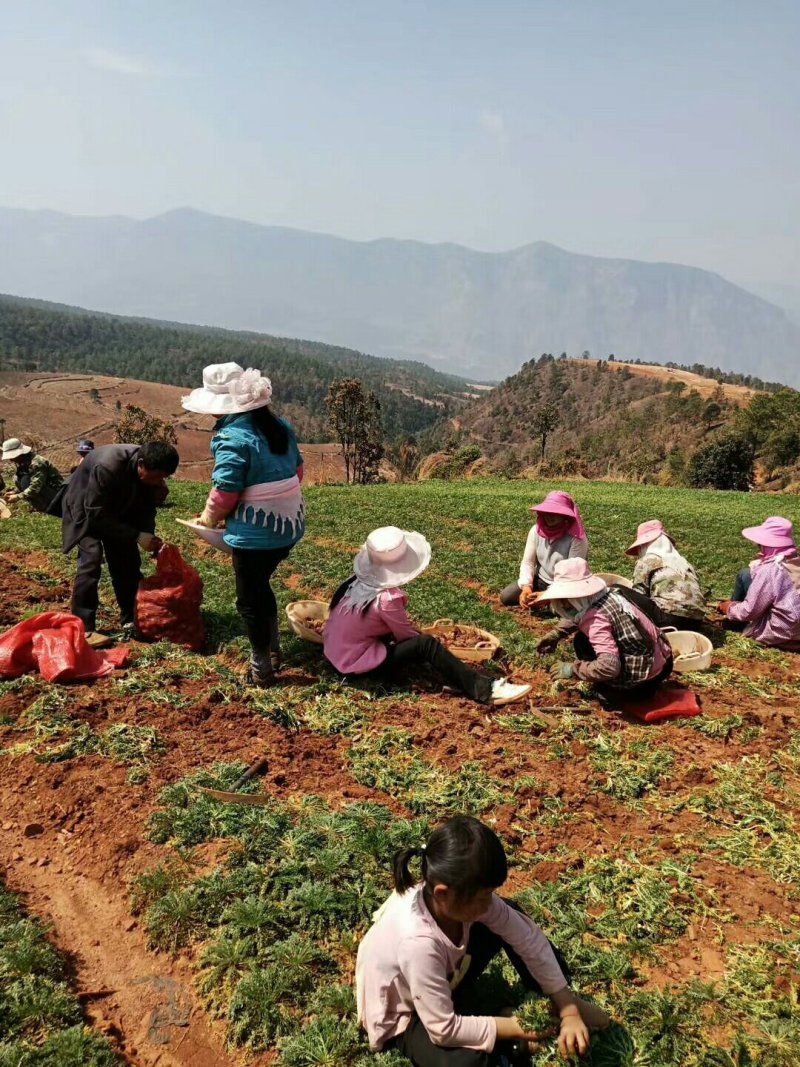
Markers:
<point>433,938</point>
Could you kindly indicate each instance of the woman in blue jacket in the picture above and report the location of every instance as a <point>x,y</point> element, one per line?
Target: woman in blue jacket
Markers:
<point>256,495</point>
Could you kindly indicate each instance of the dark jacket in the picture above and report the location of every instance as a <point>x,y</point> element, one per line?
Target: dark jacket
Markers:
<point>105,498</point>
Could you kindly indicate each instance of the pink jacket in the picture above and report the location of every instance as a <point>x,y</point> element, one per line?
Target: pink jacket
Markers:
<point>407,965</point>
<point>355,641</point>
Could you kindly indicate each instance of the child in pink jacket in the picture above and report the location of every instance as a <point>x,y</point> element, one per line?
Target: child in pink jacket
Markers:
<point>430,942</point>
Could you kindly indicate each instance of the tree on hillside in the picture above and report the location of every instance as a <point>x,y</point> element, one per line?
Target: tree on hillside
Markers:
<point>724,464</point>
<point>407,458</point>
<point>544,422</point>
<point>354,418</point>
<point>771,423</point>
<point>136,427</point>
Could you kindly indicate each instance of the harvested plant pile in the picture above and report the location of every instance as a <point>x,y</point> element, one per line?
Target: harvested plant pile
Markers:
<point>458,636</point>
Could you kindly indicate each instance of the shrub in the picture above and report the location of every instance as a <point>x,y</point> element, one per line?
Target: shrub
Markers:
<point>724,464</point>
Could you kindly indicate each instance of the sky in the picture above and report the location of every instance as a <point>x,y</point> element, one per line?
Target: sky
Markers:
<point>634,128</point>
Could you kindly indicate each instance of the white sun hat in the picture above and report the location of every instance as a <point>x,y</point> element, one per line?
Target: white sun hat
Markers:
<point>391,557</point>
<point>229,390</point>
<point>13,448</point>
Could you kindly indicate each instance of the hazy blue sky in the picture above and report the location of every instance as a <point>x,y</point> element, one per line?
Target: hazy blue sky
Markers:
<point>657,130</point>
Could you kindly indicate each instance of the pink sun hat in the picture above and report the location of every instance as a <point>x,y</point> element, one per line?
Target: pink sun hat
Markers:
<point>774,532</point>
<point>572,579</point>
<point>646,533</point>
<point>557,503</point>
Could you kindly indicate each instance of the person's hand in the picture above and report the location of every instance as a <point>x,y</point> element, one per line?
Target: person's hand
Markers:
<point>204,519</point>
<point>11,497</point>
<point>561,671</point>
<point>549,643</point>
<point>573,1036</point>
<point>724,606</point>
<point>527,597</point>
<point>592,1014</point>
<point>149,542</point>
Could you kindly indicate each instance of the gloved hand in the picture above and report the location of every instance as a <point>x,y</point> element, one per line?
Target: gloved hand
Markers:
<point>149,542</point>
<point>724,606</point>
<point>527,597</point>
<point>561,671</point>
<point>549,643</point>
<point>205,519</point>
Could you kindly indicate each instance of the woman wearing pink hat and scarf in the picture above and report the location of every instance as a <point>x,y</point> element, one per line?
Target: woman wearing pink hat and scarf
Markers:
<point>767,593</point>
<point>557,534</point>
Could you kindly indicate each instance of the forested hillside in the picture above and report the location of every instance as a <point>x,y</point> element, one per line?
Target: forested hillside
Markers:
<point>596,420</point>
<point>35,335</point>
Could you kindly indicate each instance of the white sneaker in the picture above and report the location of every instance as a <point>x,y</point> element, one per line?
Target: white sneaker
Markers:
<point>504,692</point>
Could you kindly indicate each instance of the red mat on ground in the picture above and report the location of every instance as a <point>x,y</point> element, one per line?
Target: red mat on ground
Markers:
<point>54,644</point>
<point>672,701</point>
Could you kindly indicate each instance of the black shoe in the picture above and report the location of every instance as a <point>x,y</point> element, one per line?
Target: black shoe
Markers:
<point>260,679</point>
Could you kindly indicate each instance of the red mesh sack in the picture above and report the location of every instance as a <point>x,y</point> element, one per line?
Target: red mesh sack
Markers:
<point>168,603</point>
<point>54,643</point>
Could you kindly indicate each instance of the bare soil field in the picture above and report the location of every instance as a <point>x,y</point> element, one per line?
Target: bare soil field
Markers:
<point>58,409</point>
<point>738,394</point>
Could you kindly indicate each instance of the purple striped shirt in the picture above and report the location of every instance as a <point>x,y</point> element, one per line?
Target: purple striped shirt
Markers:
<point>771,608</point>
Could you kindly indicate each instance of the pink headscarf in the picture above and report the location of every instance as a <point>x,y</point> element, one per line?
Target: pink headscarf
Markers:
<point>561,504</point>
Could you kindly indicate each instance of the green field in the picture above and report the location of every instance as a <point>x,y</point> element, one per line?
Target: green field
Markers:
<point>663,861</point>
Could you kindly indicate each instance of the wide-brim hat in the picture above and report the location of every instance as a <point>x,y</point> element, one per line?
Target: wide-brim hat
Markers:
<point>572,580</point>
<point>13,448</point>
<point>228,389</point>
<point>556,503</point>
<point>391,557</point>
<point>646,533</point>
<point>774,532</point>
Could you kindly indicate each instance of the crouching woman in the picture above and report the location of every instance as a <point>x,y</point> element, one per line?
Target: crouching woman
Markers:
<point>368,631</point>
<point>431,941</point>
<point>767,594</point>
<point>617,647</point>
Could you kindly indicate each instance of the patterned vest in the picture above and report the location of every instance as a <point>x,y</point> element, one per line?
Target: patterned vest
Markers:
<point>636,648</point>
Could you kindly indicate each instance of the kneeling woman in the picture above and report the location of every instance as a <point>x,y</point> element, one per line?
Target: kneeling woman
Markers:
<point>616,646</point>
<point>767,593</point>
<point>557,534</point>
<point>369,631</point>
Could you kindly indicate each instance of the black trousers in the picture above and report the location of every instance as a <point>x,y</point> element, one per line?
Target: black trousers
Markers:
<point>510,595</point>
<point>483,946</point>
<point>255,601</point>
<point>124,568</point>
<point>426,649</point>
<point>644,690</point>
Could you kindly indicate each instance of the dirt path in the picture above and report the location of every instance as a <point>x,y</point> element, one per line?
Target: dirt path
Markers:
<point>143,1002</point>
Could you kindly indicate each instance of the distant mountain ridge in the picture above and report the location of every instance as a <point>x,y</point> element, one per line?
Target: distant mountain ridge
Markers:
<point>473,313</point>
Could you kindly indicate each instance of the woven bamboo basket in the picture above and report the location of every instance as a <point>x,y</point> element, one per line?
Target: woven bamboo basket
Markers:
<point>614,579</point>
<point>299,612</point>
<point>489,643</point>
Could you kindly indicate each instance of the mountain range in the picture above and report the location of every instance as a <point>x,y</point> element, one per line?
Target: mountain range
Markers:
<point>472,313</point>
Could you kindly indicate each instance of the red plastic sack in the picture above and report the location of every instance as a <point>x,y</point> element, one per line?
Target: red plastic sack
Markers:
<point>671,701</point>
<point>54,643</point>
<point>168,603</point>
